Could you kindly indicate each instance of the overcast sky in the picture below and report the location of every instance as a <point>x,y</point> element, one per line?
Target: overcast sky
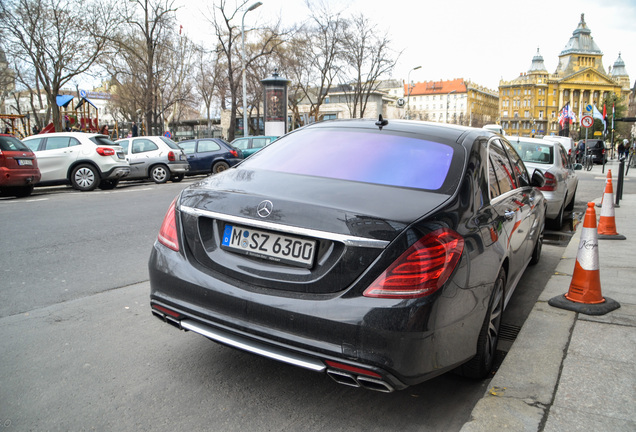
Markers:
<point>483,41</point>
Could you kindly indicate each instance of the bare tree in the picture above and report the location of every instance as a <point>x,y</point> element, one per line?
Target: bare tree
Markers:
<point>315,53</point>
<point>62,39</point>
<point>149,23</point>
<point>368,59</point>
<point>226,24</point>
<point>207,79</point>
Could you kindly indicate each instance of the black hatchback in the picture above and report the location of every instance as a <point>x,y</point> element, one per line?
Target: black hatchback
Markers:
<point>596,148</point>
<point>379,253</point>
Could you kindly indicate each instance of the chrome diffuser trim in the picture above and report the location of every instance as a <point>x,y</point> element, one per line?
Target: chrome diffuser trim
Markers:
<point>253,346</point>
<point>306,232</point>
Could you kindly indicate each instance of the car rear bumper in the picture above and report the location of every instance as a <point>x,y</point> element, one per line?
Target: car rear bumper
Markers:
<point>117,172</point>
<point>396,342</point>
<point>17,178</point>
<point>179,168</point>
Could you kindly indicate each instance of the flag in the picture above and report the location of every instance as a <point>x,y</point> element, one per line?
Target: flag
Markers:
<point>596,113</point>
<point>613,113</point>
<point>566,116</point>
<point>604,119</point>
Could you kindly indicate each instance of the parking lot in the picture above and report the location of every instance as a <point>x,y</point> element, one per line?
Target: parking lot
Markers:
<point>81,349</point>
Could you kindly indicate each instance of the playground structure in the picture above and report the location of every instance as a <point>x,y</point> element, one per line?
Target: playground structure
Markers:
<point>16,124</point>
<point>79,118</point>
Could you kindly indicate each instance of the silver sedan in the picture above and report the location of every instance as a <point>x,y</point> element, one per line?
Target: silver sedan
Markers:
<point>560,179</point>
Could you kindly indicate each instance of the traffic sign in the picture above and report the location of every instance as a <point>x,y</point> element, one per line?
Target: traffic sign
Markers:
<point>400,102</point>
<point>587,121</point>
<point>588,108</point>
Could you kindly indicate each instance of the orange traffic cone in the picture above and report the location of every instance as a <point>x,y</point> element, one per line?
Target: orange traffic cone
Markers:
<point>607,221</point>
<point>584,294</point>
<point>608,178</point>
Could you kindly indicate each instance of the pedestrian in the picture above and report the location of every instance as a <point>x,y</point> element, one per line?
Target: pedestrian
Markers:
<point>104,130</point>
<point>134,129</point>
<point>621,149</point>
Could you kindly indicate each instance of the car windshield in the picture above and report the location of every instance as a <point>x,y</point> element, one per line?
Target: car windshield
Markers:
<point>369,157</point>
<point>170,143</point>
<point>535,152</point>
<point>8,143</point>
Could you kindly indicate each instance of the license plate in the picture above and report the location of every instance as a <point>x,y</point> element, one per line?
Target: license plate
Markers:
<point>25,162</point>
<point>269,245</point>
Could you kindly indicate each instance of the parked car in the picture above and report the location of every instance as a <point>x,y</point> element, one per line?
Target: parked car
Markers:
<point>560,179</point>
<point>252,144</point>
<point>381,269</point>
<point>18,167</point>
<point>210,155</point>
<point>567,142</point>
<point>83,160</point>
<point>157,158</point>
<point>596,148</point>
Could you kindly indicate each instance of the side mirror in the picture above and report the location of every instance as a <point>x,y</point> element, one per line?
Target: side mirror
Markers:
<point>538,179</point>
<point>578,166</point>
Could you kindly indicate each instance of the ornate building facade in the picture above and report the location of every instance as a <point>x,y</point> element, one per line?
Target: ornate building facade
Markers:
<point>530,104</point>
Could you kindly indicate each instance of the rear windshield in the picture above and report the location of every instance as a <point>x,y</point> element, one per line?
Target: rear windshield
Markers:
<point>8,143</point>
<point>170,143</point>
<point>369,157</point>
<point>535,153</point>
<point>103,140</point>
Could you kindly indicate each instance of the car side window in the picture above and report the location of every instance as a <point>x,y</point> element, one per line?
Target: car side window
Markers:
<point>241,144</point>
<point>56,143</point>
<point>502,172</point>
<point>518,165</point>
<point>187,147</point>
<point>124,144</point>
<point>259,142</point>
<point>564,160</point>
<point>143,145</point>
<point>74,142</point>
<point>208,146</point>
<point>33,144</point>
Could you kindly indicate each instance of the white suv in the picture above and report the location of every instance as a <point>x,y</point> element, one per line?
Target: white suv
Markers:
<point>85,160</point>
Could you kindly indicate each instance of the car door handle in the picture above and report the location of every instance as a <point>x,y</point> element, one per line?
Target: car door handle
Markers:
<point>509,214</point>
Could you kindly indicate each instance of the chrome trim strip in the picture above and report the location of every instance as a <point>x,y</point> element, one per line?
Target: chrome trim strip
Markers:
<point>253,346</point>
<point>306,232</point>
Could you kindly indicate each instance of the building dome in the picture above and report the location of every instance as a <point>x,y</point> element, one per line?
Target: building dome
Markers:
<point>581,41</point>
<point>537,63</point>
<point>618,70</point>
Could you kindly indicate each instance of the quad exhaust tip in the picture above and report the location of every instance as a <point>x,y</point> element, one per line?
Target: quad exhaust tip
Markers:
<point>366,382</point>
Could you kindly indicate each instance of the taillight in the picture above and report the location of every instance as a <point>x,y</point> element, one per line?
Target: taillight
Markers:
<point>422,269</point>
<point>168,231</point>
<point>105,151</point>
<point>550,182</point>
<point>234,153</point>
<point>171,157</point>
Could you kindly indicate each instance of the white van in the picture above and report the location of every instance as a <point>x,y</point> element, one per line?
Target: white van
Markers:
<point>567,142</point>
<point>495,128</point>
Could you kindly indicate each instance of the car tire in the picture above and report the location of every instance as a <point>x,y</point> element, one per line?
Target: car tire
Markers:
<point>481,365</point>
<point>538,246</point>
<point>159,174</point>
<point>220,167</point>
<point>557,222</point>
<point>85,178</point>
<point>570,206</point>
<point>108,184</point>
<point>176,178</point>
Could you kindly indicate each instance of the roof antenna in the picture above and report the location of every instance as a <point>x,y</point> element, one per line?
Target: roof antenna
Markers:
<point>381,122</point>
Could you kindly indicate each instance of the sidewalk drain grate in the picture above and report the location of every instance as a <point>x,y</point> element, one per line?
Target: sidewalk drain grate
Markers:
<point>508,331</point>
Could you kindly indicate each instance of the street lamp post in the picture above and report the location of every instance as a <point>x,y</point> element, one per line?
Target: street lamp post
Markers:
<point>408,92</point>
<point>246,129</point>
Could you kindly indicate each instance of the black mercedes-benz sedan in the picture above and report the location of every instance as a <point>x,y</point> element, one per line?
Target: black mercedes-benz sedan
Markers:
<point>381,253</point>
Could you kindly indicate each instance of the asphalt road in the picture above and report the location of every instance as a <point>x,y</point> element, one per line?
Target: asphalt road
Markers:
<point>80,349</point>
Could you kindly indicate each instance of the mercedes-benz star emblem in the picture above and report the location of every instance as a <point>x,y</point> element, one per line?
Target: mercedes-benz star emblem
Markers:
<point>265,208</point>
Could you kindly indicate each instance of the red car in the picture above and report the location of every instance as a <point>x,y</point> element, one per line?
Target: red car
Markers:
<point>18,167</point>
